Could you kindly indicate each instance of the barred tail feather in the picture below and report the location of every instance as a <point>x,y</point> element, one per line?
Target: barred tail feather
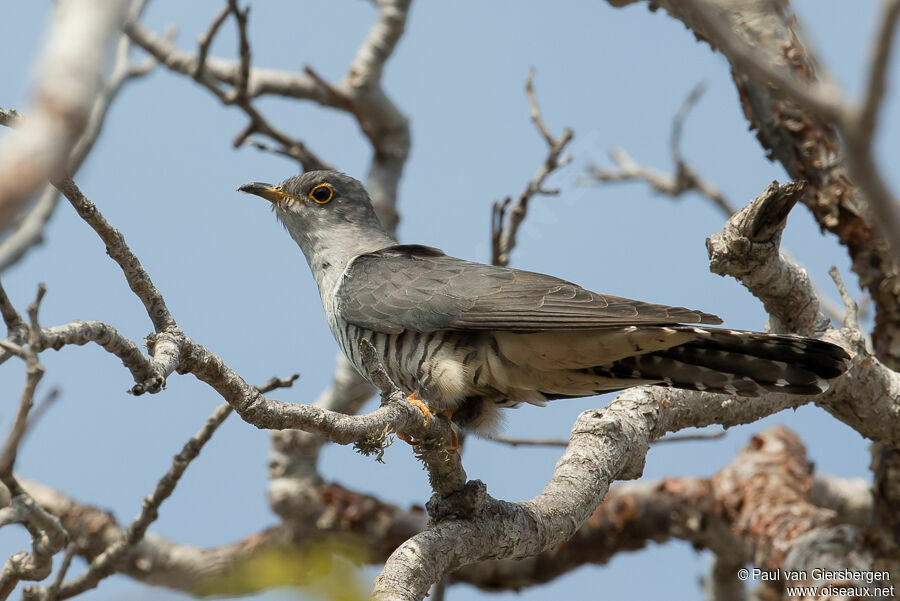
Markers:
<point>736,362</point>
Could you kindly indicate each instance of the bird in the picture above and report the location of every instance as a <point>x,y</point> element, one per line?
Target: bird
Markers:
<point>467,339</point>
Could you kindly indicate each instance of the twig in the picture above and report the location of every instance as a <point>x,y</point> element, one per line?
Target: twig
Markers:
<point>867,115</point>
<point>41,408</point>
<point>71,550</point>
<point>104,564</point>
<point>554,442</point>
<point>275,383</point>
<point>35,371</point>
<point>503,235</point>
<point>138,279</point>
<point>48,537</point>
<point>239,93</point>
<point>47,534</point>
<point>205,40</point>
<point>689,437</point>
<point>16,329</point>
<point>686,178</point>
<point>105,336</point>
<point>168,55</point>
<point>851,317</point>
<point>529,442</point>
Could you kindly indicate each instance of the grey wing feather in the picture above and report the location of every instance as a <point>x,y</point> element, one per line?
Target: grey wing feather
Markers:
<point>419,288</point>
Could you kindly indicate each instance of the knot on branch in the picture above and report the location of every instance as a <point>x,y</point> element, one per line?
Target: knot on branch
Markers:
<point>752,236</point>
<point>460,504</point>
<point>748,250</point>
<point>151,385</point>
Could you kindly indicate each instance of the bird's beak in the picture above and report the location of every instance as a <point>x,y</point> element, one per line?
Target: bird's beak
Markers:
<point>267,191</point>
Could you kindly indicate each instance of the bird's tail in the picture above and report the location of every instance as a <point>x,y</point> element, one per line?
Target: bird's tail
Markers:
<point>736,362</point>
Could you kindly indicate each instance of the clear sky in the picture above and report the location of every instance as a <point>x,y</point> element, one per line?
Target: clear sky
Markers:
<point>164,172</point>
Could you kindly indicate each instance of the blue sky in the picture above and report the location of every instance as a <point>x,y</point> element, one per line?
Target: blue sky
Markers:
<point>164,172</point>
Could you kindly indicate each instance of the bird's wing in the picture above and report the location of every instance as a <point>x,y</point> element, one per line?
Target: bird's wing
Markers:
<point>412,287</point>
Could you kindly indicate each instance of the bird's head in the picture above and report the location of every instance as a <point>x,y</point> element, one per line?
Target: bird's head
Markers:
<point>327,213</point>
<point>317,198</point>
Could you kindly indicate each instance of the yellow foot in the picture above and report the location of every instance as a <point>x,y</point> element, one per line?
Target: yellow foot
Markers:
<point>454,440</point>
<point>406,438</point>
<point>426,412</point>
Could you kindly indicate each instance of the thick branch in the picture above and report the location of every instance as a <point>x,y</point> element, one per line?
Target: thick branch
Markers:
<point>68,81</point>
<point>766,494</point>
<point>748,250</point>
<point>868,396</point>
<point>30,230</point>
<point>801,134</point>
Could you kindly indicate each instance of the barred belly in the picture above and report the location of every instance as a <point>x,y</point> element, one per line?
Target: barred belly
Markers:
<point>448,370</point>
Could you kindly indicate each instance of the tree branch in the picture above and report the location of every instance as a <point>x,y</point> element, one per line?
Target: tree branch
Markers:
<point>68,81</point>
<point>503,230</point>
<point>795,121</point>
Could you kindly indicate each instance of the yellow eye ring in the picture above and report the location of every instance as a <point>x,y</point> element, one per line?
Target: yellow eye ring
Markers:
<point>321,194</point>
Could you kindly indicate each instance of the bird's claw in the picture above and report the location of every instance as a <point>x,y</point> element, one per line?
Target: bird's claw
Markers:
<point>414,400</point>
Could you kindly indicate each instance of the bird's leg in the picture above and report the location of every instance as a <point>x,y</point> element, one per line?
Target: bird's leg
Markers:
<point>406,438</point>
<point>454,440</point>
<point>415,400</point>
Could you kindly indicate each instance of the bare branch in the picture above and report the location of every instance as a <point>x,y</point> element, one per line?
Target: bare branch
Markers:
<point>824,100</point>
<point>137,277</point>
<point>503,234</point>
<point>631,516</point>
<point>104,565</point>
<point>16,329</point>
<point>47,538</point>
<point>34,371</point>
<point>851,318</point>
<point>104,335</point>
<point>875,82</point>
<point>205,40</point>
<point>747,249</point>
<point>68,81</point>
<point>168,55</point>
<point>275,383</point>
<point>605,445</point>
<point>30,229</point>
<point>766,494</point>
<point>552,442</point>
<point>47,534</point>
<point>857,126</point>
<point>686,178</point>
<point>796,121</point>
<point>379,44</point>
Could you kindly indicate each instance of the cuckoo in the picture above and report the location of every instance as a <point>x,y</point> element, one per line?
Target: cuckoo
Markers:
<point>466,339</point>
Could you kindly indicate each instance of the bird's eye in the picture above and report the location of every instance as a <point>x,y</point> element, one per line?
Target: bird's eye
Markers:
<point>321,194</point>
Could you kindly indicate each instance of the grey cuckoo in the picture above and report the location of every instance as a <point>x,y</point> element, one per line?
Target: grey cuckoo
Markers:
<point>465,338</point>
